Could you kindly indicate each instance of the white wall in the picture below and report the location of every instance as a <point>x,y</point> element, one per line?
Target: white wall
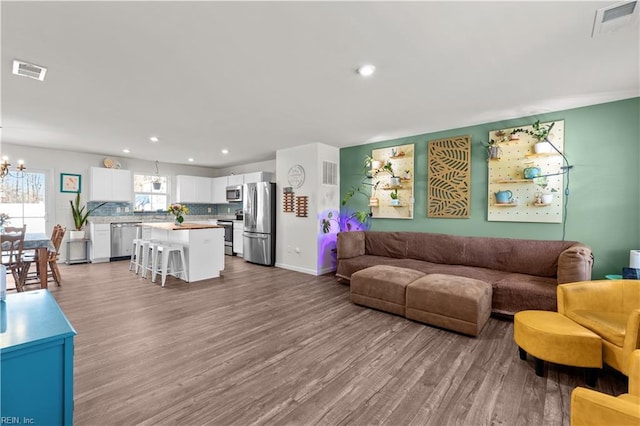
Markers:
<point>299,239</point>
<point>328,200</point>
<point>58,161</point>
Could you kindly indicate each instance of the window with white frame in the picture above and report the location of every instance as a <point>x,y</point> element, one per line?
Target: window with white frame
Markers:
<point>151,192</point>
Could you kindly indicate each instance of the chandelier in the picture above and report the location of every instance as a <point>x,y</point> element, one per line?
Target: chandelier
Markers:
<point>4,168</point>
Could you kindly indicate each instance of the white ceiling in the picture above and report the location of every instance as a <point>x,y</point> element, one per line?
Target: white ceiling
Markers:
<point>255,77</point>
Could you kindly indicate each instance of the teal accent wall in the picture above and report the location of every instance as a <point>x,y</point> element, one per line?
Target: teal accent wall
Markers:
<point>602,143</point>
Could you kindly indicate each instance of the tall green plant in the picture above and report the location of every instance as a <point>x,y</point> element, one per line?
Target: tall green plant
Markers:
<point>80,217</point>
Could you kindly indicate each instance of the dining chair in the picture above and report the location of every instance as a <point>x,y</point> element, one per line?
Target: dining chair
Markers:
<point>53,256</point>
<point>11,230</point>
<point>12,254</point>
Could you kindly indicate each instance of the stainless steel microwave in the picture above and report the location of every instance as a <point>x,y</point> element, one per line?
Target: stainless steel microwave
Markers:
<point>234,194</point>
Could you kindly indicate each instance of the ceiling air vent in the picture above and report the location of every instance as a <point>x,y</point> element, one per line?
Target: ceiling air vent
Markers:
<point>617,16</point>
<point>26,69</point>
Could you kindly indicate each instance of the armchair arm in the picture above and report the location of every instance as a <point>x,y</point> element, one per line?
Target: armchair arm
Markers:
<point>589,407</point>
<point>350,244</point>
<point>575,264</point>
<point>589,295</point>
<point>630,352</point>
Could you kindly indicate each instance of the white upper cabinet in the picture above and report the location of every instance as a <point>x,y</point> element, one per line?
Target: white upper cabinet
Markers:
<point>219,190</point>
<point>235,180</point>
<point>110,185</point>
<point>257,177</point>
<point>193,189</point>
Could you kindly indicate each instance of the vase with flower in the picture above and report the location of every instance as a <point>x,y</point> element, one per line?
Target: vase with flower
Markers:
<point>178,210</point>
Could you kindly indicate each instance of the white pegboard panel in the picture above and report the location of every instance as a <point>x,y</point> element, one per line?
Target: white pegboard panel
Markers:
<point>507,174</point>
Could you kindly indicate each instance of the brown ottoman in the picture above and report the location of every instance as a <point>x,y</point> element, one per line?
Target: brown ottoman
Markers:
<point>382,287</point>
<point>455,303</point>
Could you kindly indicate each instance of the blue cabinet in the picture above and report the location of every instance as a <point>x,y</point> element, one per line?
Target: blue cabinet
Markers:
<point>36,360</point>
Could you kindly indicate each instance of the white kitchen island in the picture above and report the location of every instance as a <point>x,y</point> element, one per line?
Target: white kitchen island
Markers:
<point>203,246</point>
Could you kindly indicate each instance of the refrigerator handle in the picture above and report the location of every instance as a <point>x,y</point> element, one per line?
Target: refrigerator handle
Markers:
<point>255,205</point>
<point>259,237</point>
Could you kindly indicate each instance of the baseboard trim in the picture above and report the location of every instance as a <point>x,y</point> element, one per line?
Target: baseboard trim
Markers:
<point>296,268</point>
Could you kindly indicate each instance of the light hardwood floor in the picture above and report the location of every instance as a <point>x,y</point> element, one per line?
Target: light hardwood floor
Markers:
<point>270,346</point>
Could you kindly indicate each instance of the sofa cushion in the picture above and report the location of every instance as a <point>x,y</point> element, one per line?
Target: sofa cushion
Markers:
<point>518,292</point>
<point>609,325</point>
<point>350,244</point>
<point>388,244</point>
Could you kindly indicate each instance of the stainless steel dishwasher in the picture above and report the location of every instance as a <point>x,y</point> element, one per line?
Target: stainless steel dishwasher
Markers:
<point>122,235</point>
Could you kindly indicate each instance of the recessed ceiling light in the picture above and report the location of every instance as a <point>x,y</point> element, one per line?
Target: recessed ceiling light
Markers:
<point>225,151</point>
<point>126,150</point>
<point>191,160</point>
<point>154,139</point>
<point>366,70</point>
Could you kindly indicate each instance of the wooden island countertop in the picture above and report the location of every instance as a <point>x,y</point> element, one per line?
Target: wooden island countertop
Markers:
<point>168,226</point>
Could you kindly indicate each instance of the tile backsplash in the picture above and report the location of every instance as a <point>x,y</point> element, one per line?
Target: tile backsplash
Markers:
<point>126,209</point>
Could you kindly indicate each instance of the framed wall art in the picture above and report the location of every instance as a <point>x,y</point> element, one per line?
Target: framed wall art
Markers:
<point>70,182</point>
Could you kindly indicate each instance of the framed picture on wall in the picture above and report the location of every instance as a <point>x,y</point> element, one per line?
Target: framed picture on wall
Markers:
<point>70,182</point>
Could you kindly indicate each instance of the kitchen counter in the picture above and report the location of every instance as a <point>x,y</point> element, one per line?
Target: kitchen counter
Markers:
<point>203,246</point>
<point>155,218</point>
<point>170,226</point>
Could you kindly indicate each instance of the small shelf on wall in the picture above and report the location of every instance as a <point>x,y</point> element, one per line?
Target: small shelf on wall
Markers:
<point>505,205</point>
<point>550,154</point>
<point>541,204</point>
<point>514,181</point>
<point>391,188</point>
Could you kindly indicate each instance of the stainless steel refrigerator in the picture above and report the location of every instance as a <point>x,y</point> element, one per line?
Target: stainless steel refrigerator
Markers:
<point>259,211</point>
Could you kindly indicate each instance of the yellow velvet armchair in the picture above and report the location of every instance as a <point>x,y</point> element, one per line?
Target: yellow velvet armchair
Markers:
<point>609,308</point>
<point>589,407</point>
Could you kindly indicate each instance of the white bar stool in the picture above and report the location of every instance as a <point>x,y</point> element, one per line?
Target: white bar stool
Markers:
<point>134,263</point>
<point>167,257</point>
<point>150,252</point>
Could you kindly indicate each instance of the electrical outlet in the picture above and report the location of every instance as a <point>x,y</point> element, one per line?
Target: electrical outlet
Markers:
<point>208,209</point>
<point>126,209</point>
<point>118,210</point>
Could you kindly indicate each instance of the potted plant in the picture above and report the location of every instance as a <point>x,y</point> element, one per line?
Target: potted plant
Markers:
<point>80,217</point>
<point>388,168</point>
<point>373,200</point>
<point>540,132</point>
<point>493,149</point>
<point>544,196</point>
<point>394,197</point>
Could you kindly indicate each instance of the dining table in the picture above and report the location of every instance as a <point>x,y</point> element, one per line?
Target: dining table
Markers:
<point>42,244</point>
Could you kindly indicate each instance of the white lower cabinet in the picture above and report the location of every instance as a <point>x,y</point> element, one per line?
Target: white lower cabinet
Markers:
<point>100,235</point>
<point>237,236</point>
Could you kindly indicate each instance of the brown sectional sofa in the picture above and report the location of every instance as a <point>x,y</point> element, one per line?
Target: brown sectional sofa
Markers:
<point>523,273</point>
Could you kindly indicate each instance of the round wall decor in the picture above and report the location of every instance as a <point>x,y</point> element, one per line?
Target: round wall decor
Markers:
<point>295,176</point>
